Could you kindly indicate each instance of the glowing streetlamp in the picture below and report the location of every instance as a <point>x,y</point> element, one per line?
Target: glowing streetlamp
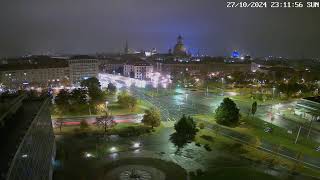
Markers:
<point>113,149</point>
<point>273,90</point>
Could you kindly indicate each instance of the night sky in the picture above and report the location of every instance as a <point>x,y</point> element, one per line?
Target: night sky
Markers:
<point>90,26</point>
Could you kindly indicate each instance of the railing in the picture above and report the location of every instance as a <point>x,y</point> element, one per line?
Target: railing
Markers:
<point>13,107</point>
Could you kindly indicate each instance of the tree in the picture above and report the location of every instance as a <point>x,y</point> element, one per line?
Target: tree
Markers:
<point>125,100</point>
<point>132,102</point>
<point>185,132</point>
<point>94,91</point>
<point>186,127</point>
<point>254,108</point>
<point>227,113</point>
<point>151,118</point>
<point>111,88</point>
<point>62,99</point>
<point>65,81</point>
<point>96,95</point>
<point>59,123</point>
<point>91,82</point>
<point>290,88</point>
<point>106,121</point>
<point>78,96</point>
<point>84,124</point>
<point>179,141</point>
<point>201,125</point>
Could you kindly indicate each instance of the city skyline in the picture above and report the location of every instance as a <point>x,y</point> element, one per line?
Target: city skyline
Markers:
<point>103,26</point>
<point>159,90</point>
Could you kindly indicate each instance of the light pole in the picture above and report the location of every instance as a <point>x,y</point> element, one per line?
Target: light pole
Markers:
<point>107,105</point>
<point>88,99</point>
<point>310,126</point>
<point>295,142</point>
<point>222,79</point>
<point>273,89</point>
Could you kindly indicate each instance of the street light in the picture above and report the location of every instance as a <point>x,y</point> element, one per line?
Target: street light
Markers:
<point>113,149</point>
<point>222,79</point>
<point>273,89</point>
<point>107,105</point>
<point>88,155</point>
<point>88,99</point>
<point>136,145</point>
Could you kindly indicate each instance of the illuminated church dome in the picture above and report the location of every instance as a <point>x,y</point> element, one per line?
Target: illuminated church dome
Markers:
<point>179,49</point>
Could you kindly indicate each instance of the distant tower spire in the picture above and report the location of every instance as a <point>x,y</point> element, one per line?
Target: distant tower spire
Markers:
<point>179,40</point>
<point>179,48</point>
<point>126,48</point>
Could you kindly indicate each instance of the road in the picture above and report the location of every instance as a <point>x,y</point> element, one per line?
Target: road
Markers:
<point>190,102</point>
<point>193,102</point>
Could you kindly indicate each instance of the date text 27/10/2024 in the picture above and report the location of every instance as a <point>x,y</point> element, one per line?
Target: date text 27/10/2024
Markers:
<point>273,4</point>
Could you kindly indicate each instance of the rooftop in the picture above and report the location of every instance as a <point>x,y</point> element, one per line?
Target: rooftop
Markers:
<point>83,57</point>
<point>42,65</point>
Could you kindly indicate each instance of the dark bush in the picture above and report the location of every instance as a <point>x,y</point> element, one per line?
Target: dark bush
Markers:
<point>201,125</point>
<point>200,172</point>
<point>206,137</point>
<point>207,147</point>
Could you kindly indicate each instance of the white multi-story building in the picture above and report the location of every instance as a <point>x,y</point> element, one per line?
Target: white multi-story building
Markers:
<point>82,67</point>
<point>51,73</point>
<point>138,70</point>
<point>43,75</point>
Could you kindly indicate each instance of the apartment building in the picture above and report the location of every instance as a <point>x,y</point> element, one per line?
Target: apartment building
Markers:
<point>82,67</point>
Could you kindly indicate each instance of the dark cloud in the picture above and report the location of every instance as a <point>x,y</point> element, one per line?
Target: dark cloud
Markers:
<point>83,26</point>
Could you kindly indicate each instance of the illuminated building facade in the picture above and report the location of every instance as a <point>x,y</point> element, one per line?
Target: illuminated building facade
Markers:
<point>138,70</point>
<point>82,67</point>
<point>41,75</point>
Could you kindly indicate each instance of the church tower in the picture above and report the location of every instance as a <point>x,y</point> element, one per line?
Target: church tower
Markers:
<point>179,48</point>
<point>126,48</point>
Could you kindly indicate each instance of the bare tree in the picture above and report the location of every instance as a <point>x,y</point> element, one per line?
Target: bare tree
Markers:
<point>59,123</point>
<point>106,121</point>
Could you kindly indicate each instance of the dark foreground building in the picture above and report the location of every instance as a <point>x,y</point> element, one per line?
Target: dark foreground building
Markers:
<point>28,148</point>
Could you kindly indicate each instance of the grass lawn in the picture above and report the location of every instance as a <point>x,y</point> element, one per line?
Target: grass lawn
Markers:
<point>141,106</point>
<point>210,118</point>
<point>161,92</point>
<point>279,136</point>
<point>225,144</point>
<point>114,108</point>
<point>249,100</point>
<point>236,173</point>
<point>77,110</point>
<point>119,129</point>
